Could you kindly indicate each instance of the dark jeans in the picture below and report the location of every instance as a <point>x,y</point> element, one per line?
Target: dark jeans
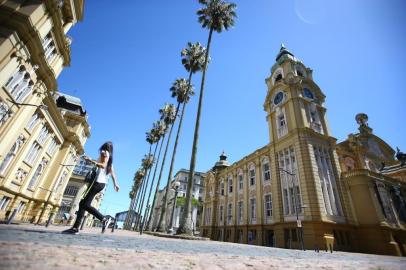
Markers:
<point>85,204</point>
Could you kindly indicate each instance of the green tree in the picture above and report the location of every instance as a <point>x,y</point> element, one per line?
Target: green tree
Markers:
<point>193,60</point>
<point>215,15</point>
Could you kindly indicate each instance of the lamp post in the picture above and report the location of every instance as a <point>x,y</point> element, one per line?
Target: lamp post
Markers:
<point>299,227</point>
<point>175,186</point>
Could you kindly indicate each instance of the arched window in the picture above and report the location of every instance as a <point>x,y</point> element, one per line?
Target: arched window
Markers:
<point>278,75</point>
<point>11,154</point>
<point>37,173</point>
<point>16,79</point>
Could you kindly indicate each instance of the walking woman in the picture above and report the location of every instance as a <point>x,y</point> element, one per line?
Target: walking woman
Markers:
<point>105,168</point>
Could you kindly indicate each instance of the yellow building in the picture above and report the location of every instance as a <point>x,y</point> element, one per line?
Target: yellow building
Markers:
<point>41,131</point>
<point>292,188</point>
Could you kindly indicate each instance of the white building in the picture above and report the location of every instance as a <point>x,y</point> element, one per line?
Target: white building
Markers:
<point>198,189</point>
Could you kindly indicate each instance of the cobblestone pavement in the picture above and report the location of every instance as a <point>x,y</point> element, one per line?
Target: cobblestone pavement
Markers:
<point>37,247</point>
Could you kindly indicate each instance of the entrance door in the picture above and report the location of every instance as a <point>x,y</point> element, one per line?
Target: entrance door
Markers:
<point>270,238</point>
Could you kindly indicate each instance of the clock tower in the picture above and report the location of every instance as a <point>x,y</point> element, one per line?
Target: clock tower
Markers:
<point>305,162</point>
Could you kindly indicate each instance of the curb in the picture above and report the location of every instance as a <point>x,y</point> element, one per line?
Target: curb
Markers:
<point>174,236</point>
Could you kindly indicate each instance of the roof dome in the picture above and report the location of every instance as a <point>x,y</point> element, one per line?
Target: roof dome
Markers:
<point>222,163</point>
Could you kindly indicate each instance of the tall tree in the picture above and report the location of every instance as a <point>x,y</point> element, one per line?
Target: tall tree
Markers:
<point>139,175</point>
<point>193,60</point>
<point>215,15</point>
<point>168,116</point>
<point>158,130</point>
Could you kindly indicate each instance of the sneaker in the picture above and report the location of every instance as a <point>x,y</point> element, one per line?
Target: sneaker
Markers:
<point>105,223</point>
<point>71,231</point>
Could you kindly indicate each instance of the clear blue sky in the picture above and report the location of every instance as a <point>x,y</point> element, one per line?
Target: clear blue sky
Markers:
<point>126,54</point>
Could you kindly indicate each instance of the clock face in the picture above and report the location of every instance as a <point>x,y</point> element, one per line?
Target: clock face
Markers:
<point>307,93</point>
<point>278,98</point>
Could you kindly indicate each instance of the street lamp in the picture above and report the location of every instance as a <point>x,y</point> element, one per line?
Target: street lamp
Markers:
<point>299,228</point>
<point>40,106</point>
<point>175,186</point>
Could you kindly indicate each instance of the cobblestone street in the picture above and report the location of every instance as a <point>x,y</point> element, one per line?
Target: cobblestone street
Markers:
<point>37,247</point>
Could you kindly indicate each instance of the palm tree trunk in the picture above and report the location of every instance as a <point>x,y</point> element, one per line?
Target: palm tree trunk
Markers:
<point>185,226</point>
<point>162,219</point>
<point>163,160</point>
<point>153,177</point>
<point>141,202</point>
<point>131,211</point>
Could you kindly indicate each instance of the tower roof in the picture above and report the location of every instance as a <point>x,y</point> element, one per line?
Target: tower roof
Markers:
<point>222,163</point>
<point>283,51</point>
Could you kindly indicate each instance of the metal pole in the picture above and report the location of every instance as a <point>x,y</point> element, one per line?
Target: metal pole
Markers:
<point>173,209</point>
<point>115,222</point>
<point>297,212</point>
<point>10,219</point>
<point>50,219</point>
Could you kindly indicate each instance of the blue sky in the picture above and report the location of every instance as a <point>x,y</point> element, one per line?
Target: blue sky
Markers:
<point>126,54</point>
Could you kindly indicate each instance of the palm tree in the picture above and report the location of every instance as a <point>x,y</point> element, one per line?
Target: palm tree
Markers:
<point>158,132</point>
<point>215,15</point>
<point>151,137</point>
<point>139,175</point>
<point>168,115</point>
<point>193,60</point>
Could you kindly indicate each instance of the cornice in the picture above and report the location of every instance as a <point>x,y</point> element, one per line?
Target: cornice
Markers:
<point>31,39</point>
<point>60,38</point>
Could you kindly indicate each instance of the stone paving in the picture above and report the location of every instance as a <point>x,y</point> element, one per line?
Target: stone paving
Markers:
<point>37,247</point>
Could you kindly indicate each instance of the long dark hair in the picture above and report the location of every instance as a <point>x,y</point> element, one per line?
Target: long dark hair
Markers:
<point>108,146</point>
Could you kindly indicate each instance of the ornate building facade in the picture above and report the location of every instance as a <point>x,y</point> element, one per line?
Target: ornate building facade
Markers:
<point>292,190</point>
<point>41,131</point>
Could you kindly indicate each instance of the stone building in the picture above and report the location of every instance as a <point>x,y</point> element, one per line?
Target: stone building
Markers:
<point>197,193</point>
<point>41,131</point>
<point>293,188</point>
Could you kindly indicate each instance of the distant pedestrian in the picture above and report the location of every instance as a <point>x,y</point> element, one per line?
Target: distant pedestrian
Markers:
<point>105,168</point>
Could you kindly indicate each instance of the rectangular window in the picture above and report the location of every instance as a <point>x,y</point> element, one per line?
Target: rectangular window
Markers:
<point>71,191</point>
<point>43,135</point>
<point>240,211</point>
<point>281,125</point>
<point>240,182</point>
<point>267,173</point>
<point>222,188</point>
<point>221,213</point>
<point>286,201</point>
<point>268,206</point>
<point>229,211</point>
<point>252,176</point>
<point>32,123</point>
<point>230,185</point>
<point>33,153</point>
<point>289,181</point>
<point>253,209</point>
